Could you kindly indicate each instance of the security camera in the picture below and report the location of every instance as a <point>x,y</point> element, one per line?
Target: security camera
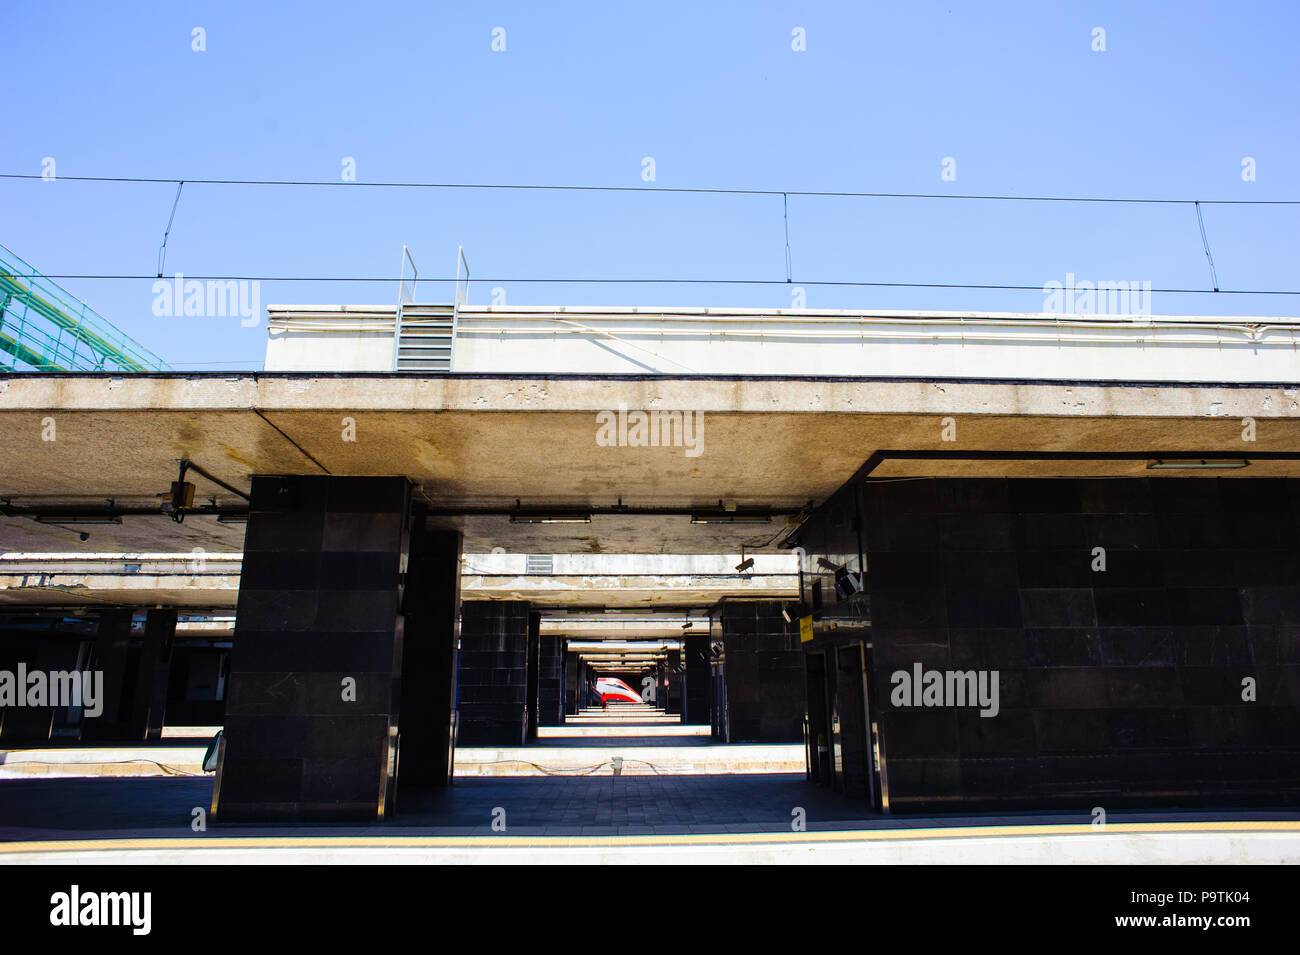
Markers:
<point>745,565</point>
<point>793,611</point>
<point>83,536</point>
<point>846,584</point>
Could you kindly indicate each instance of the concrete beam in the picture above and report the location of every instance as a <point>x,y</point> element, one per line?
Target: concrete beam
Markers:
<point>488,440</point>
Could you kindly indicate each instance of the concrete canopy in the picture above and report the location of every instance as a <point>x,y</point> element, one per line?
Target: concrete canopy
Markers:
<point>489,441</point>
<point>218,589</point>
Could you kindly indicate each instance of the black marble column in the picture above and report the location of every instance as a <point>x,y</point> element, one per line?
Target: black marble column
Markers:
<point>1122,618</point>
<point>493,673</point>
<point>696,681</point>
<point>124,681</point>
<point>572,683</point>
<point>311,716</point>
<point>47,652</point>
<point>550,681</point>
<point>533,678</point>
<point>431,608</point>
<point>155,667</point>
<point>764,672</point>
<point>673,704</point>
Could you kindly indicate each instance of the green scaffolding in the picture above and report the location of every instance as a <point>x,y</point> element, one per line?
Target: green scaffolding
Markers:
<point>44,328</point>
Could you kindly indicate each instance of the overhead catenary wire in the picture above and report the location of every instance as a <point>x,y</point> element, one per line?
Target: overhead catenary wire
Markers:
<point>785,212</point>
<point>699,190</point>
<point>1205,243</point>
<point>162,249</point>
<point>640,281</point>
<point>783,193</point>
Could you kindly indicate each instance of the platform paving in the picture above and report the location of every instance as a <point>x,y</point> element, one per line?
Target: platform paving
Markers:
<point>679,819</point>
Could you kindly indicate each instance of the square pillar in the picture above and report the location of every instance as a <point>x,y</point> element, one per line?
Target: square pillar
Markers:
<point>431,611</point>
<point>763,673</point>
<point>155,666</point>
<point>673,704</point>
<point>120,663</point>
<point>315,674</point>
<point>696,681</point>
<point>572,683</point>
<point>46,652</point>
<point>493,673</point>
<point>550,680</point>
<point>534,673</point>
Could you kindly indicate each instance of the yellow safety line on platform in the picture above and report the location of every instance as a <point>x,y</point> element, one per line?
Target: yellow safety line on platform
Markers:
<point>684,839</point>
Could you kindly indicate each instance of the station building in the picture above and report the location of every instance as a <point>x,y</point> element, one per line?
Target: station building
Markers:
<point>1085,527</point>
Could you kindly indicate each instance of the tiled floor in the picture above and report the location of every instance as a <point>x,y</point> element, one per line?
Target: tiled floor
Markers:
<point>553,806</point>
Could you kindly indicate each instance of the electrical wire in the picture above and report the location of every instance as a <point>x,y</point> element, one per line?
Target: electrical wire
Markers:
<point>1205,243</point>
<point>783,193</point>
<point>642,281</point>
<point>545,187</point>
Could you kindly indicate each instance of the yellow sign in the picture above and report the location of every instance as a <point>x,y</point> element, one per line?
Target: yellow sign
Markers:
<point>805,629</point>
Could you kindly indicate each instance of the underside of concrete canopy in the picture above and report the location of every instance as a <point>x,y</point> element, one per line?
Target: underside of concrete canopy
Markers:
<point>553,464</point>
<point>211,582</point>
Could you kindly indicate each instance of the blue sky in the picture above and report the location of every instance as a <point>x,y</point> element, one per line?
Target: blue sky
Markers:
<point>1013,92</point>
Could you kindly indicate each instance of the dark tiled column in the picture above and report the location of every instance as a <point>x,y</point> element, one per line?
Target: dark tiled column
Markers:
<point>123,675</point>
<point>44,652</point>
<point>550,683</point>
<point>674,702</point>
<point>533,679</point>
<point>430,635</point>
<point>155,666</point>
<point>316,667</point>
<point>764,672</point>
<point>572,683</point>
<point>1119,685</point>
<point>493,673</point>
<point>695,696</point>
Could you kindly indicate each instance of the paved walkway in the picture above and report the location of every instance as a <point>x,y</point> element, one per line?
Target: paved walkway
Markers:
<point>747,818</point>
<point>677,819</point>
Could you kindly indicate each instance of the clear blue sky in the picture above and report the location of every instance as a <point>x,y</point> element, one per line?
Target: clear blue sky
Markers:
<point>712,91</point>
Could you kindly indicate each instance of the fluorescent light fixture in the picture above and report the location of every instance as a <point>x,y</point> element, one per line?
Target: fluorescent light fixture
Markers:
<point>1205,464</point>
<point>523,517</point>
<point>232,518</point>
<point>730,519</point>
<point>78,519</point>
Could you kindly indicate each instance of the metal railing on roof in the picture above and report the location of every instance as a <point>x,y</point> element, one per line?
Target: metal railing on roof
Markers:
<point>43,327</point>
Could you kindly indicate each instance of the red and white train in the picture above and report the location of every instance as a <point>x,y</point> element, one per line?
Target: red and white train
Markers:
<point>613,690</point>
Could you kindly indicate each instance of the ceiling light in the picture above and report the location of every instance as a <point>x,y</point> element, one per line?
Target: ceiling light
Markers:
<point>1204,464</point>
<point>525,517</point>
<point>716,518</point>
<point>78,519</point>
